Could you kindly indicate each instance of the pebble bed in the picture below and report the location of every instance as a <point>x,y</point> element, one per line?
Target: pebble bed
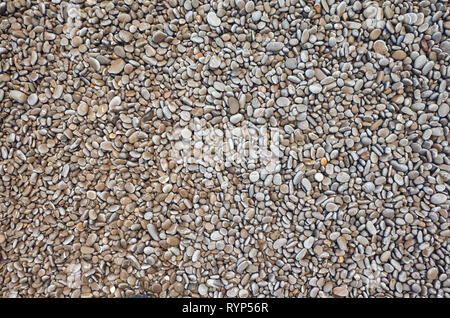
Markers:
<point>92,204</point>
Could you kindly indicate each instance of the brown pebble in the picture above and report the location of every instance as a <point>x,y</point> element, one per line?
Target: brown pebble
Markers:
<point>399,55</point>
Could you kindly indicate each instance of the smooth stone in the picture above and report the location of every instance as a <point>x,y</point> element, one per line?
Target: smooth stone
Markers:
<point>291,63</point>
<point>274,46</point>
<point>318,177</point>
<point>283,101</point>
<point>18,96</point>
<point>427,67</point>
<point>82,109</point>
<point>371,228</point>
<point>306,185</point>
<point>370,12</point>
<point>233,105</point>
<point>368,187</point>
<point>342,177</point>
<point>445,46</point>
<point>158,36</point>
<point>375,34</point>
<point>399,55</point>
<point>215,236</point>
<point>443,110</point>
<point>233,292</point>
<point>341,8</point>
<point>340,291</point>
<point>259,196</point>
<point>315,88</point>
<point>151,229</point>
<point>256,16</point>
<point>380,47</point>
<point>115,101</point>
<point>309,242</point>
<point>116,66</point>
<point>94,64</point>
<point>254,176</point>
<point>420,61</point>
<point>331,207</point>
<point>106,146</point>
<point>92,238</point>
<point>32,99</point>
<point>202,290</point>
<point>87,250</point>
<point>432,273</point>
<point>213,19</point>
<point>249,6</point>
<point>236,118</point>
<point>214,62</point>
<point>279,243</point>
<point>438,198</point>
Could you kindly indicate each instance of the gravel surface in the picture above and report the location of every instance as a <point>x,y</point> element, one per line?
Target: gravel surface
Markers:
<point>108,187</point>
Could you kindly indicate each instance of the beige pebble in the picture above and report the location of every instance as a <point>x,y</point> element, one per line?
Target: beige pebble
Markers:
<point>18,96</point>
<point>116,66</point>
<point>82,109</point>
<point>87,250</point>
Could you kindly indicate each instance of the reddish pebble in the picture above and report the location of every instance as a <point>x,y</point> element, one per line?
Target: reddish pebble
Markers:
<point>424,44</point>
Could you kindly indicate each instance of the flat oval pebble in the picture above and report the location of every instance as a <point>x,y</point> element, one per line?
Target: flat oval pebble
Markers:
<point>213,19</point>
<point>315,88</point>
<point>438,198</point>
<point>283,101</point>
<point>32,99</point>
<point>233,105</point>
<point>116,66</point>
<point>82,109</point>
<point>18,96</point>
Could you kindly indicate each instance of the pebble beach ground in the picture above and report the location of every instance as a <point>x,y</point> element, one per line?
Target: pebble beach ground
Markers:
<point>349,198</point>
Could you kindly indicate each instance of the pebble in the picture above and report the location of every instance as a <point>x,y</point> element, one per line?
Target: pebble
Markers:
<point>18,96</point>
<point>318,177</point>
<point>375,34</point>
<point>331,207</point>
<point>308,243</point>
<point>432,273</point>
<point>283,102</point>
<point>254,176</point>
<point>116,66</point>
<point>371,228</point>
<point>342,177</point>
<point>291,63</point>
<point>368,187</point>
<point>158,37</point>
<point>420,62</point>
<point>340,291</point>
<point>315,88</point>
<point>87,250</point>
<point>279,243</point>
<point>274,46</point>
<point>82,109</point>
<point>438,198</point>
<point>203,290</point>
<point>233,105</point>
<point>236,118</point>
<point>380,47</point>
<point>213,19</point>
<point>399,55</point>
<point>215,236</point>
<point>152,231</point>
<point>32,99</point>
